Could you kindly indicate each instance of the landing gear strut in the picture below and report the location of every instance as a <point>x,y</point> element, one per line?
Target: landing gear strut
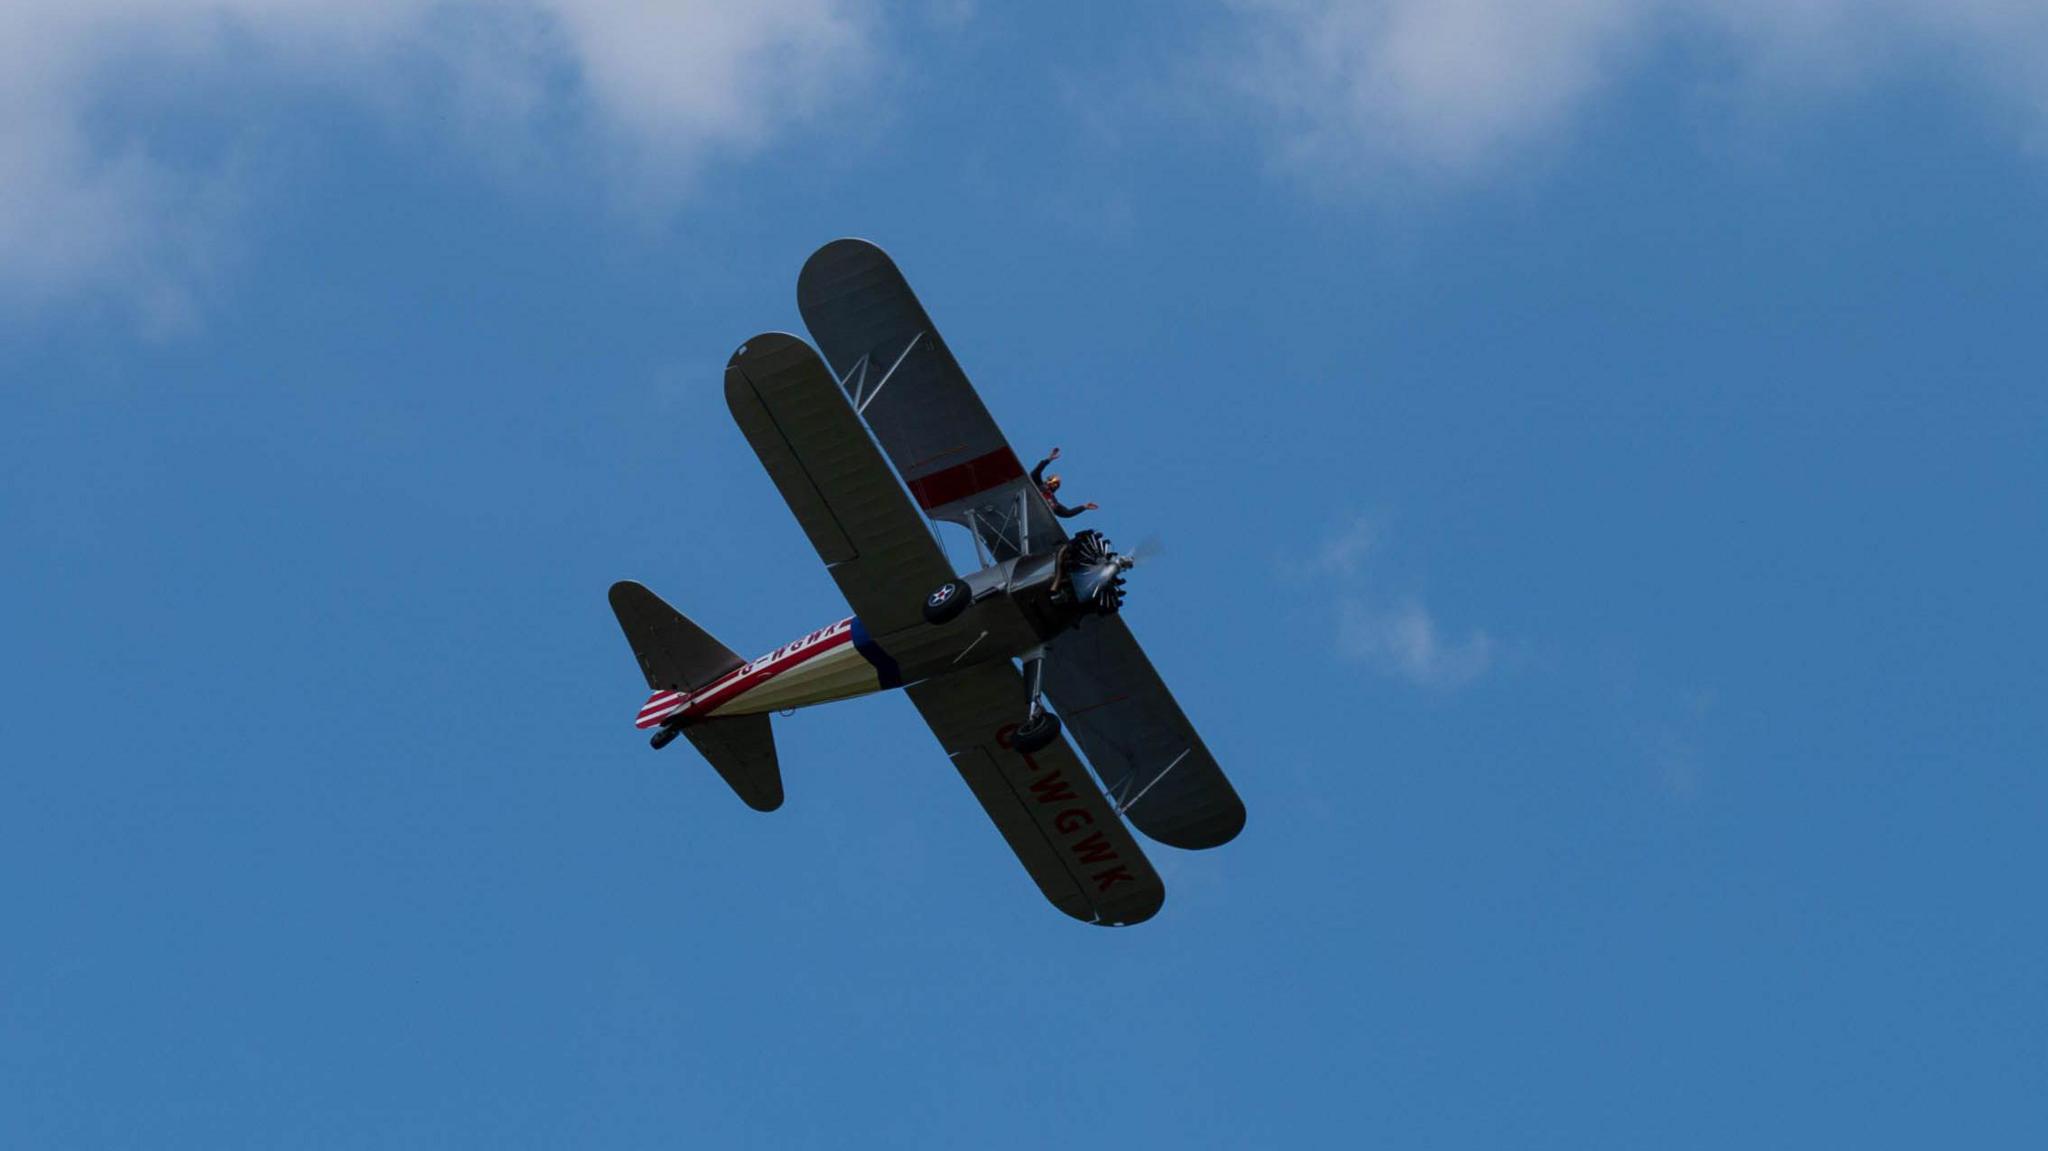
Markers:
<point>1040,727</point>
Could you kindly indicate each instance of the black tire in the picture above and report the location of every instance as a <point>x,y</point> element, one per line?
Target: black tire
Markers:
<point>947,601</point>
<point>1036,734</point>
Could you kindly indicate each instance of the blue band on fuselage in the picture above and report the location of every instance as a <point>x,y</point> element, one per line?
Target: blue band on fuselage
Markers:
<point>885,668</point>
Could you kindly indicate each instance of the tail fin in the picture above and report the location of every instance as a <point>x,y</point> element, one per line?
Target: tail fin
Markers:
<point>678,656</point>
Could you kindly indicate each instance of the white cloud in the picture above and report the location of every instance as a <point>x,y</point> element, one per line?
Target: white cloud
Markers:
<point>1437,82</point>
<point>1397,637</point>
<point>89,202</point>
<point>1450,86</point>
<point>1345,550</point>
<point>1404,641</point>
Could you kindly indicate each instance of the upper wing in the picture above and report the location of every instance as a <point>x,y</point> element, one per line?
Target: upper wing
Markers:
<point>904,381</point>
<point>850,505</point>
<point>1068,838</point>
<point>1141,743</point>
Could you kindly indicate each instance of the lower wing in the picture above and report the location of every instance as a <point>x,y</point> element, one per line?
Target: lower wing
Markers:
<point>1067,836</point>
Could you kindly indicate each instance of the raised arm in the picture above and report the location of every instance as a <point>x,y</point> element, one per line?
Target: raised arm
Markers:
<point>1038,473</point>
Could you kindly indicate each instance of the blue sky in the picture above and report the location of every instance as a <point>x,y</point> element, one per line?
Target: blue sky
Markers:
<point>1597,449</point>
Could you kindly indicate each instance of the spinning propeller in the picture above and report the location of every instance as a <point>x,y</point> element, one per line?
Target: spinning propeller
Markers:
<point>1097,571</point>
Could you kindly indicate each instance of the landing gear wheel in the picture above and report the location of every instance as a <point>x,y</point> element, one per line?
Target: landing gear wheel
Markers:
<point>946,604</point>
<point>1036,733</point>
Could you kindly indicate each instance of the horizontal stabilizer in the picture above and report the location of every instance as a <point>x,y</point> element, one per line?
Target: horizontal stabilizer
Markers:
<point>675,654</point>
<point>678,658</point>
<point>742,748</point>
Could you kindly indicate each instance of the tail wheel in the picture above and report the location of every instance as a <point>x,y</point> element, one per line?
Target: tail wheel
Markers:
<point>946,602</point>
<point>1036,733</point>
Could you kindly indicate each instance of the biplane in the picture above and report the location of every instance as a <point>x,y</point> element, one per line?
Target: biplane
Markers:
<point>1011,665</point>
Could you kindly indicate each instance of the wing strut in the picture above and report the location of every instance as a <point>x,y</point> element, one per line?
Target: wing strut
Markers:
<point>855,383</point>
<point>1123,805</point>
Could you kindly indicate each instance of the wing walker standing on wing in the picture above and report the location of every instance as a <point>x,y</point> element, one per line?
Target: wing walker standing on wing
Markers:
<point>1049,486</point>
<point>834,440</point>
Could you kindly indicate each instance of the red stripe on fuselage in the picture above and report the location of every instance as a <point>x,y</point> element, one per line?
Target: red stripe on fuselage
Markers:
<point>962,480</point>
<point>650,718</point>
<point>745,678</point>
<point>658,707</point>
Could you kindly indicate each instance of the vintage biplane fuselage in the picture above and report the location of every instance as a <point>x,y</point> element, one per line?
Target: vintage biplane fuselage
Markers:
<point>841,435</point>
<point>1010,609</point>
